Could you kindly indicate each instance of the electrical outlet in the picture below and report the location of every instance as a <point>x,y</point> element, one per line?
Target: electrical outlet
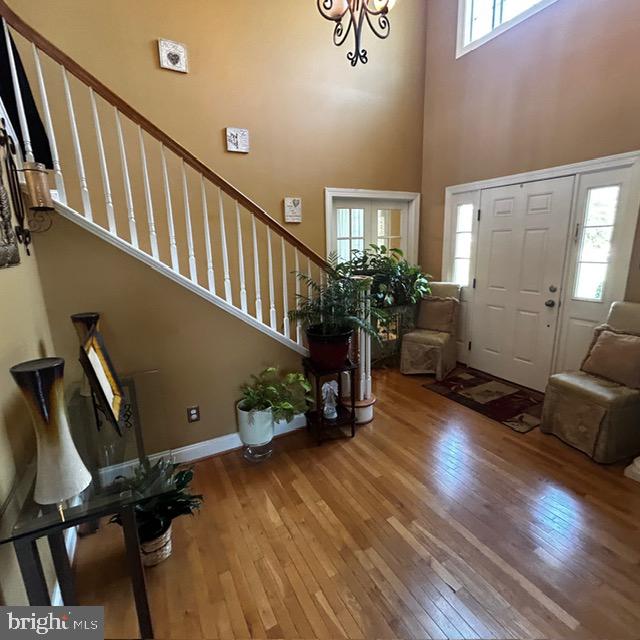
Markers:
<point>193,414</point>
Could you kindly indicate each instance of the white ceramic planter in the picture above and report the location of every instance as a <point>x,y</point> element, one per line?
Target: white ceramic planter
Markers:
<point>256,432</point>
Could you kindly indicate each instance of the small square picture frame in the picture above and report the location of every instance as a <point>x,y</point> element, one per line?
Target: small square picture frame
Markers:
<point>237,140</point>
<point>293,210</point>
<point>173,55</point>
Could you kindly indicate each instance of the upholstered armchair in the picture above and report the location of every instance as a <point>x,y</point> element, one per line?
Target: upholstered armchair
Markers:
<point>431,347</point>
<point>597,409</point>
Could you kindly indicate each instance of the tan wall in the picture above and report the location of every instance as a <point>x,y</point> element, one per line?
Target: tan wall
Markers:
<point>24,335</point>
<point>560,87</point>
<point>270,67</point>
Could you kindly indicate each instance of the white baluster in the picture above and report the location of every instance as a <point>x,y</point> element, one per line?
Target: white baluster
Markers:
<point>285,289</point>
<point>297,267</point>
<point>193,272</point>
<point>173,245</point>
<point>133,231</point>
<point>48,123</point>
<point>153,236</point>
<point>256,270</point>
<point>22,117</point>
<point>104,171</point>
<point>243,284</point>
<point>207,237</point>
<point>272,305</point>
<point>225,254</point>
<point>82,178</point>
<point>309,290</point>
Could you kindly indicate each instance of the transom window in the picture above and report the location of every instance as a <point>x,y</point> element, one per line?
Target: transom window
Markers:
<point>482,20</point>
<point>595,244</point>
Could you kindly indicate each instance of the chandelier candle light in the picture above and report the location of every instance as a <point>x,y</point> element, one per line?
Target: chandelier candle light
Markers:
<point>351,15</point>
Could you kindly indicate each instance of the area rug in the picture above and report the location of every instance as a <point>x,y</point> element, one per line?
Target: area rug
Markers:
<point>517,407</point>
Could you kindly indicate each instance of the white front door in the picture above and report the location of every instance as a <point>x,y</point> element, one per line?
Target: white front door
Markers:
<point>522,235</point>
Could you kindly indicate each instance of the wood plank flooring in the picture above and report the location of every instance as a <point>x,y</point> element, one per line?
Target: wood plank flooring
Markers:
<point>434,522</point>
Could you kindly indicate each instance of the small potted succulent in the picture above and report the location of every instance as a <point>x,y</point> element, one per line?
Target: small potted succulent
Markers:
<point>270,397</point>
<point>167,484</point>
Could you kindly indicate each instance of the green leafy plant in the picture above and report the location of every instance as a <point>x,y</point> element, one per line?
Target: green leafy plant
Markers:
<point>285,394</point>
<point>168,484</point>
<point>334,306</point>
<point>396,282</point>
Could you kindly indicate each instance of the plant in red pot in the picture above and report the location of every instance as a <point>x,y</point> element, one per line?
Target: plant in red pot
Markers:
<point>330,314</point>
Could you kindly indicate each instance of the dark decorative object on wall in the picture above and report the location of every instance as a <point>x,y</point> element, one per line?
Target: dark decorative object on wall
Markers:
<point>350,15</point>
<point>9,253</point>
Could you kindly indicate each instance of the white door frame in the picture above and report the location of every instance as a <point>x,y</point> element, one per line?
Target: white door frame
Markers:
<point>472,192</point>
<point>410,232</point>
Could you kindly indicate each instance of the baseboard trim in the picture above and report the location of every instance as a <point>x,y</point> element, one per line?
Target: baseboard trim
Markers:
<point>198,450</point>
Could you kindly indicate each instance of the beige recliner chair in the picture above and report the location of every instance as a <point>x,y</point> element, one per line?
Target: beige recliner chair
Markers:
<point>591,412</point>
<point>431,347</point>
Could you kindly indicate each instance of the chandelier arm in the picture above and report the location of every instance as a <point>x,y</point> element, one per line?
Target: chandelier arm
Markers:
<point>340,34</point>
<point>383,27</point>
<point>358,54</point>
<point>325,6</point>
<point>369,7</point>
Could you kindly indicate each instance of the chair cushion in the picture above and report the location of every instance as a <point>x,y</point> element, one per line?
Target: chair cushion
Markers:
<point>615,356</point>
<point>592,388</point>
<point>437,314</point>
<point>427,337</point>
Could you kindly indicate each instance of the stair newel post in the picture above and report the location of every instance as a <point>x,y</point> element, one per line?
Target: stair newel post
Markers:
<point>48,123</point>
<point>193,271</point>
<point>256,270</point>
<point>285,289</point>
<point>365,398</point>
<point>367,345</point>
<point>75,137</point>
<point>22,117</point>
<point>225,255</point>
<point>173,245</point>
<point>153,236</point>
<point>104,171</point>
<point>273,320</point>
<point>133,231</point>
<point>297,270</point>
<point>243,283</point>
<point>207,237</point>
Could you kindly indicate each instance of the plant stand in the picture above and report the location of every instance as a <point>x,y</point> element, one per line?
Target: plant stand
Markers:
<point>344,426</point>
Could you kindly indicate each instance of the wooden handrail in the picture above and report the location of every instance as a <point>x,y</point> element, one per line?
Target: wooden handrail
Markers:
<point>17,23</point>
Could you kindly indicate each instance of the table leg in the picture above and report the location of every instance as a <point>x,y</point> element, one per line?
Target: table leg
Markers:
<point>136,571</point>
<point>63,568</point>
<point>32,573</point>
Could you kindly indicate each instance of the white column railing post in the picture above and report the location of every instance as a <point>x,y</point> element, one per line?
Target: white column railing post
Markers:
<point>285,289</point>
<point>48,123</point>
<point>211,280</point>
<point>153,236</point>
<point>104,171</point>
<point>273,319</point>
<point>22,117</point>
<point>133,231</point>
<point>168,205</point>
<point>243,284</point>
<point>367,345</point>
<point>297,268</point>
<point>75,136</point>
<point>225,255</point>
<point>256,270</point>
<point>193,271</point>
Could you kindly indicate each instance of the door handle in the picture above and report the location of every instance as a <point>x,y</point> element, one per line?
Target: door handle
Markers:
<point>550,304</point>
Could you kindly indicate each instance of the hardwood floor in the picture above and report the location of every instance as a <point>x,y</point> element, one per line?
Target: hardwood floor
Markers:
<point>434,522</point>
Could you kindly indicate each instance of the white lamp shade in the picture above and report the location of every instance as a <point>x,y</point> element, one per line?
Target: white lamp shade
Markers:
<point>337,8</point>
<point>380,4</point>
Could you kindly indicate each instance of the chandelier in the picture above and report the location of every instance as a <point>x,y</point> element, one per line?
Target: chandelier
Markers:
<point>350,15</point>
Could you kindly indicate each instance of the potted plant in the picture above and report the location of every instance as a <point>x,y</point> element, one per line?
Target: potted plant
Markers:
<point>267,399</point>
<point>167,484</point>
<point>330,314</point>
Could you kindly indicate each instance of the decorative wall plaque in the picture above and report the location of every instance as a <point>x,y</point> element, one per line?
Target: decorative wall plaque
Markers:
<point>9,254</point>
<point>293,209</point>
<point>173,55</point>
<point>237,140</point>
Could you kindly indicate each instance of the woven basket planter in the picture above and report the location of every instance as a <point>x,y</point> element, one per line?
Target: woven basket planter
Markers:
<point>155,551</point>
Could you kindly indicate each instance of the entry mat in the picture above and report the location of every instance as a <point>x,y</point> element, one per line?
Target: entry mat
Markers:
<point>517,407</point>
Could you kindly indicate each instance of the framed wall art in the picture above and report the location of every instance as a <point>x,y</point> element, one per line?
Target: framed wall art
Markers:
<point>173,56</point>
<point>237,140</point>
<point>293,209</point>
<point>9,253</point>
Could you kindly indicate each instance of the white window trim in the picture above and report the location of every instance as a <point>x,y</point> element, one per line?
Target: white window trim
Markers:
<point>411,231</point>
<point>464,24</point>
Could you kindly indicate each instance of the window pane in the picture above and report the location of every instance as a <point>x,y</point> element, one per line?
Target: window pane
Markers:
<point>602,206</point>
<point>482,18</point>
<point>461,271</point>
<point>513,8</point>
<point>590,281</point>
<point>464,220</point>
<point>596,244</point>
<point>343,250</point>
<point>342,230</point>
<point>357,245</point>
<point>357,223</point>
<point>463,245</point>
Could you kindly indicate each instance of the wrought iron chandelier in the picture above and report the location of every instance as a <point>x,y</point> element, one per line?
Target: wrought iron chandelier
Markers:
<point>351,15</point>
